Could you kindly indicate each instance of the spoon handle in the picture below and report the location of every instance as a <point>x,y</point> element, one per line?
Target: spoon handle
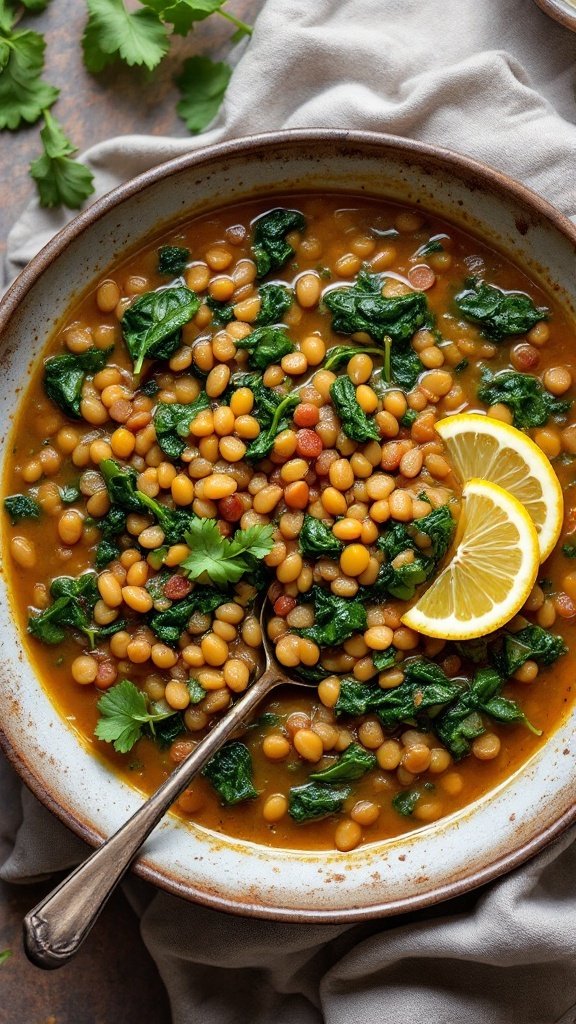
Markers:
<point>56,928</point>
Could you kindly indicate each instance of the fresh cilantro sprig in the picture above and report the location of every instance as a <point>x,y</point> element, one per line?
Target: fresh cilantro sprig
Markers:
<point>221,559</point>
<point>60,180</point>
<point>23,93</point>
<point>137,37</point>
<point>124,712</point>
<point>202,85</point>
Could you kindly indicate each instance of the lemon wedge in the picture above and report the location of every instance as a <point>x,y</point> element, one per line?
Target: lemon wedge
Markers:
<point>480,446</point>
<point>492,571</point>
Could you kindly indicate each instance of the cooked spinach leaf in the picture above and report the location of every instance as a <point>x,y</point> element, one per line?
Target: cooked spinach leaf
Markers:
<point>152,325</point>
<point>432,245</point>
<point>401,582</point>
<point>509,651</point>
<point>263,444</point>
<point>172,423</point>
<point>424,687</point>
<point>405,368</point>
<point>64,377</point>
<point>531,404</point>
<point>230,773</point>
<point>500,314</point>
<point>106,552</point>
<point>351,765</point>
<point>123,492</point>
<point>265,345</point>
<point>72,608</point>
<point>569,550</point>
<point>362,307</point>
<point>170,624</point>
<point>384,659</point>
<point>316,800</point>
<point>222,312</point>
<point>405,802</point>
<point>269,246</point>
<point>462,723</point>
<point>172,259</point>
<point>166,730</point>
<point>316,539</point>
<point>335,618</point>
<point>275,301</point>
<point>21,506</point>
<point>341,354</point>
<point>354,420</point>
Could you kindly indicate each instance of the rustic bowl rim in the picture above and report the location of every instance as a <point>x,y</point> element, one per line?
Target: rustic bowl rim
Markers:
<point>39,264</point>
<point>560,11</point>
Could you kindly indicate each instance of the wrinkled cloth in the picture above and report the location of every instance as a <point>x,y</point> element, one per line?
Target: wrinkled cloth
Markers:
<point>494,80</point>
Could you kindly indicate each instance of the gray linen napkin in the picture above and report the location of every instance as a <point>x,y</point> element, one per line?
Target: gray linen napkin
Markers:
<point>495,80</point>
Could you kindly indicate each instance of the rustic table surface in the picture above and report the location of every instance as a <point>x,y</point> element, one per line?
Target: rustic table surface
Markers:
<point>113,980</point>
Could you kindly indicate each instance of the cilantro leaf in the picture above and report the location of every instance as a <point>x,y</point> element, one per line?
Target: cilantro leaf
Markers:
<point>124,712</point>
<point>224,560</point>
<point>23,94</point>
<point>183,14</point>
<point>202,84</point>
<point>59,180</point>
<point>137,37</point>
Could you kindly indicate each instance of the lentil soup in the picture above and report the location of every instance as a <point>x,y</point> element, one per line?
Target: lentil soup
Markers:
<point>251,401</point>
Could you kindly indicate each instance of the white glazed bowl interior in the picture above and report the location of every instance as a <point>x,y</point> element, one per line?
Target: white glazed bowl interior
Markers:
<point>498,831</point>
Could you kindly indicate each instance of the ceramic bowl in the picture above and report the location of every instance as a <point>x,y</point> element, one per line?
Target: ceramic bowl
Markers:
<point>563,11</point>
<point>491,836</point>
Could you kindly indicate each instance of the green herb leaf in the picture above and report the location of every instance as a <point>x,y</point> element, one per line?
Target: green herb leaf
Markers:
<point>265,345</point>
<point>500,314</point>
<point>64,377</point>
<point>5,954</point>
<point>316,800</point>
<point>151,326</point>
<point>354,420</point>
<point>183,14</point>
<point>351,765</point>
<point>230,772</point>
<point>317,540</point>
<point>221,559</point>
<point>202,84</point>
<point>172,422</point>
<point>335,618</point>
<point>531,404</point>
<point>60,181</point>
<point>269,246</point>
<point>21,506</point>
<point>136,37</point>
<point>172,259</point>
<point>124,711</point>
<point>23,94</point>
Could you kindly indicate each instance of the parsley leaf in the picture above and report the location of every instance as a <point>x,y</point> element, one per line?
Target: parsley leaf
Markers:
<point>59,180</point>
<point>124,712</point>
<point>202,84</point>
<point>23,94</point>
<point>183,14</point>
<point>224,560</point>
<point>137,37</point>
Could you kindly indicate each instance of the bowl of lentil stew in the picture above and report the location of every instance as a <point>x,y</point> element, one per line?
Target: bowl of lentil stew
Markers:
<point>404,226</point>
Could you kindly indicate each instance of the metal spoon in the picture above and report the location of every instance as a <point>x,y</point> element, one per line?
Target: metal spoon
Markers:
<point>56,928</point>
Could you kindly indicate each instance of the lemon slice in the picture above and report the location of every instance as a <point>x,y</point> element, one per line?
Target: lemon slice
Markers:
<point>492,570</point>
<point>480,446</point>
